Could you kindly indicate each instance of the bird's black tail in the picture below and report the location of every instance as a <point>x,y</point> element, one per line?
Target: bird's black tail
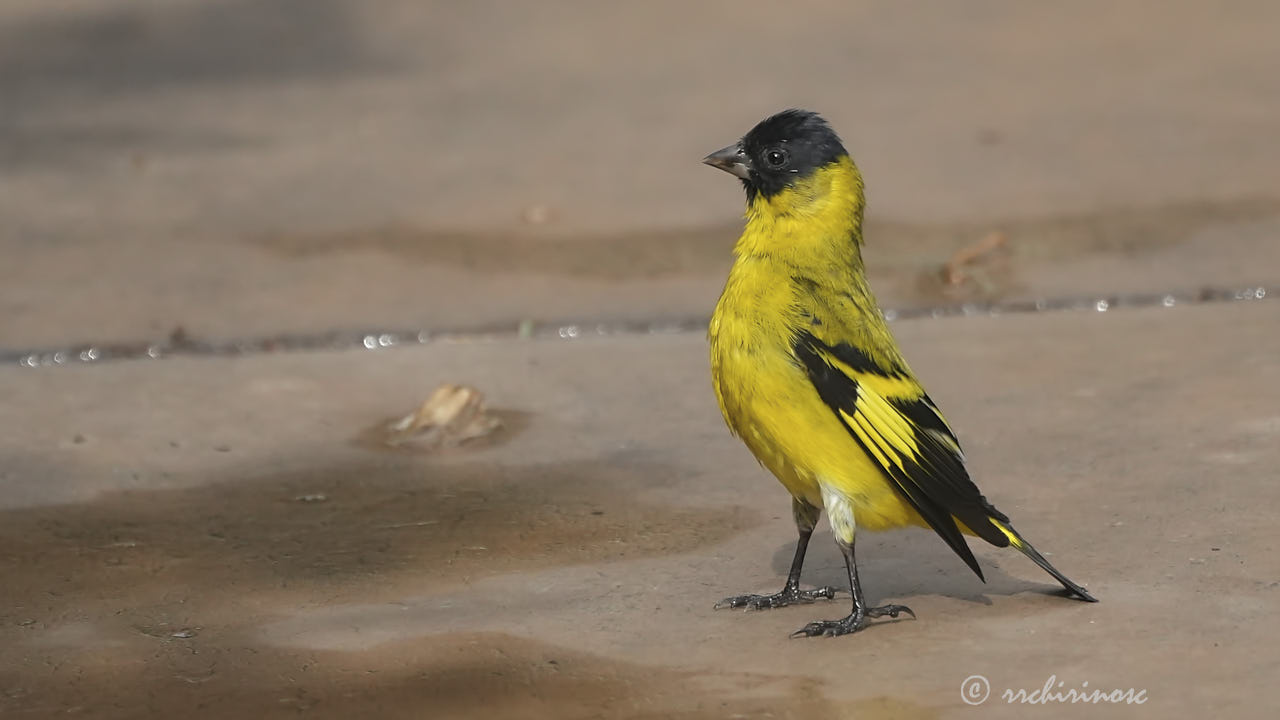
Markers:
<point>1025,548</point>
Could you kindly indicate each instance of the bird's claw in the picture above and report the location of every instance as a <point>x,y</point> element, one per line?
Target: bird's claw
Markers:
<point>777,600</point>
<point>890,610</point>
<point>851,624</point>
<point>830,628</point>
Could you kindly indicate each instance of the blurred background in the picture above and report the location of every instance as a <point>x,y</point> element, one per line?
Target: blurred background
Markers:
<point>239,168</point>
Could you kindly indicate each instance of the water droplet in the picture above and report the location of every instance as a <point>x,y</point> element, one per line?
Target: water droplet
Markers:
<point>386,340</point>
<point>370,342</point>
<point>1169,301</point>
<point>424,337</point>
<point>1101,305</point>
<point>569,331</point>
<point>153,351</point>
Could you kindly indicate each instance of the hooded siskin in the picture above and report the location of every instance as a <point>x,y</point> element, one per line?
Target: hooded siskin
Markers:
<point>808,375</point>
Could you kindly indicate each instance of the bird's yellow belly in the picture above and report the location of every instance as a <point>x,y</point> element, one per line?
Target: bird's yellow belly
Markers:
<point>770,403</point>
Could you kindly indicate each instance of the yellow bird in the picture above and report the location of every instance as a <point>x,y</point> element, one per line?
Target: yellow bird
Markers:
<point>809,377</point>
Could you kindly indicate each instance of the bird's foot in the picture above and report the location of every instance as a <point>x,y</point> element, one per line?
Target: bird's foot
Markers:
<point>859,619</point>
<point>788,596</point>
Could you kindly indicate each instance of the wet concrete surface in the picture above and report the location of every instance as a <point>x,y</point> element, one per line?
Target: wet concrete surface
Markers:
<point>218,537</point>
<point>456,675</point>
<point>412,279</point>
<point>248,552</point>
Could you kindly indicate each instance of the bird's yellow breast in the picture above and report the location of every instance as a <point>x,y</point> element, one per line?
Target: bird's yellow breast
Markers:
<point>756,381</point>
<point>769,402</point>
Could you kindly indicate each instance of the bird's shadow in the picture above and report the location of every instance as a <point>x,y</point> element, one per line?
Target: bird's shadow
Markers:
<point>903,564</point>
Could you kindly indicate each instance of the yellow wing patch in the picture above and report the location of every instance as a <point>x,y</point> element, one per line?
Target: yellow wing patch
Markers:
<point>883,430</point>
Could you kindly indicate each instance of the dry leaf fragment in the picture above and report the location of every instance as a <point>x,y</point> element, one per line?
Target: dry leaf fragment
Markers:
<point>953,270</point>
<point>452,415</point>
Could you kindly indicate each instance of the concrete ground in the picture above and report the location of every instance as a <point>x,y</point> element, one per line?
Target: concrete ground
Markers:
<point>215,537</point>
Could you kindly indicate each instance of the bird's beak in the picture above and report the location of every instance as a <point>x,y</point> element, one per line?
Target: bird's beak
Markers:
<point>731,160</point>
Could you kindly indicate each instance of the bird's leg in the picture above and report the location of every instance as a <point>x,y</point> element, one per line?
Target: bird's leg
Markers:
<point>861,614</point>
<point>806,517</point>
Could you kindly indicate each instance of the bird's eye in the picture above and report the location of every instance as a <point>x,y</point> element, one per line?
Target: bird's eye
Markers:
<point>776,158</point>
